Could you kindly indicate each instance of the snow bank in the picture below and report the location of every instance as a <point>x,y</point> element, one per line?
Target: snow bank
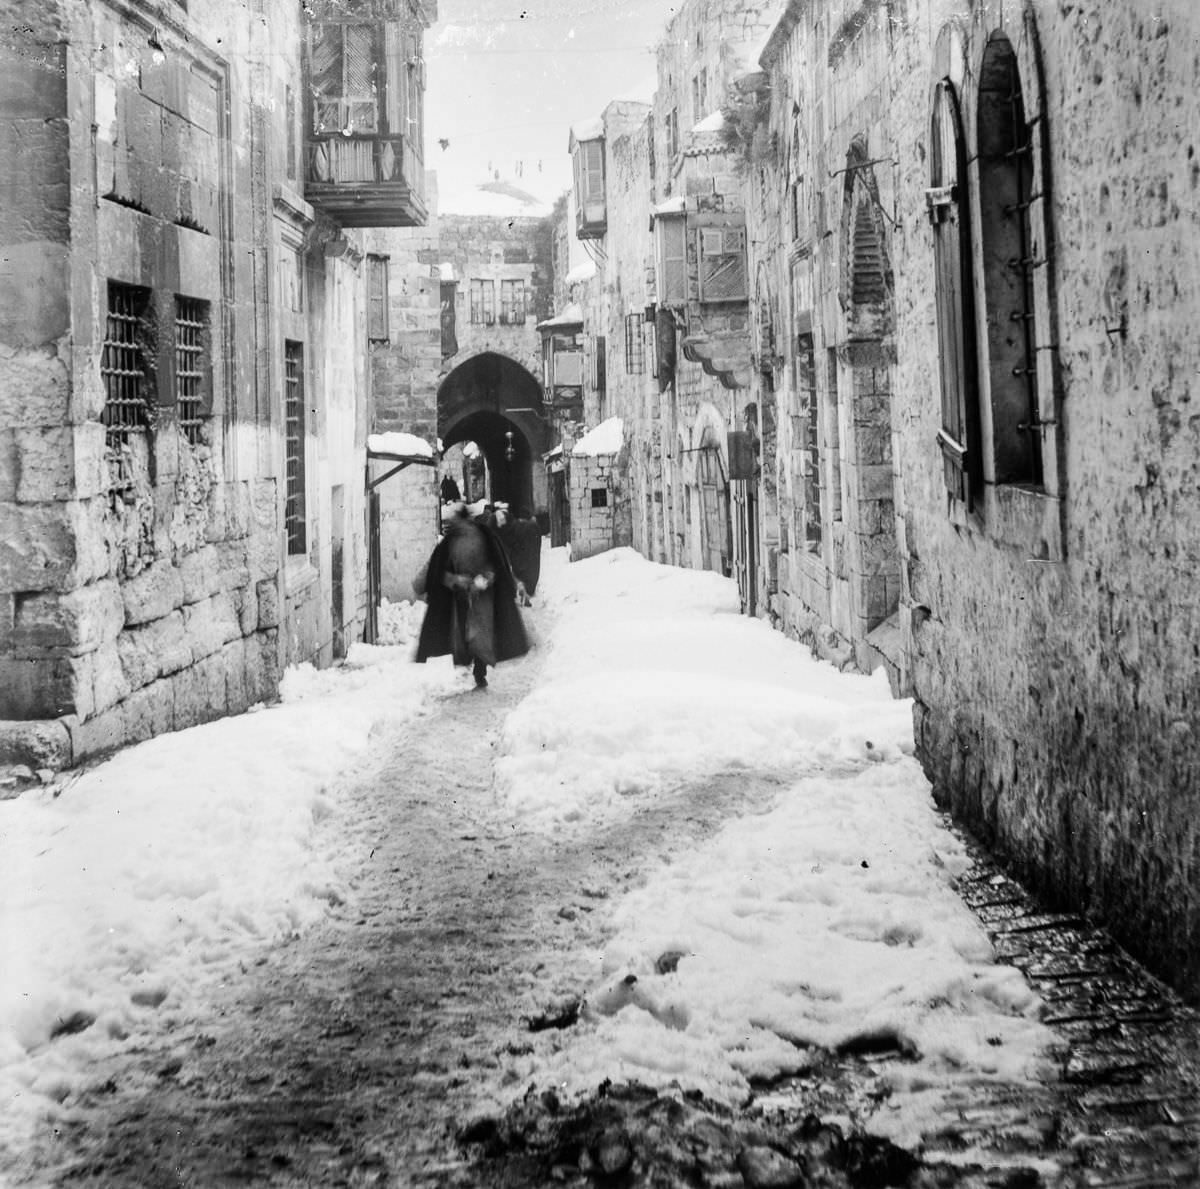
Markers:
<point>606,438</point>
<point>828,921</point>
<point>655,678</point>
<point>147,878</point>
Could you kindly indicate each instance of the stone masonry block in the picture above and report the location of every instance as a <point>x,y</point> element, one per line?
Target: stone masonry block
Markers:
<point>45,464</point>
<point>45,687</point>
<point>200,693</point>
<point>268,603</point>
<point>155,592</point>
<point>98,734</point>
<point>9,470</point>
<point>150,711</point>
<point>200,573</point>
<point>237,689</point>
<point>265,505</point>
<point>38,546</point>
<point>245,605</point>
<point>158,649</point>
<point>34,388</point>
<point>262,554</point>
<point>109,685</point>
<point>77,622</point>
<point>38,744</point>
<point>211,625</point>
<point>234,571</point>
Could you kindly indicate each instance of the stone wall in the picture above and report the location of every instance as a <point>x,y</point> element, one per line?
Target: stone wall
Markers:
<point>145,577</point>
<point>599,497</point>
<point>1046,633</point>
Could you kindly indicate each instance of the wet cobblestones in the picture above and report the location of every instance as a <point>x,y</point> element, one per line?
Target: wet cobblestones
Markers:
<point>1125,1112</point>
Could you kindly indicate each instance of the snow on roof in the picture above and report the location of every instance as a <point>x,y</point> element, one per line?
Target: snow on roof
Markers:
<point>571,315</point>
<point>711,123</point>
<point>582,272</point>
<point>446,271</point>
<point>404,445</point>
<point>588,129</point>
<point>606,438</point>
<point>670,206</point>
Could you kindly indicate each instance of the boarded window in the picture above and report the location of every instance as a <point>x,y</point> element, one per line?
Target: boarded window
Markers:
<point>126,373</point>
<point>671,231</point>
<point>512,303</point>
<point>377,299</point>
<point>344,70</point>
<point>483,302</point>
<point>294,418</point>
<point>959,437</point>
<point>722,264</point>
<point>193,372</point>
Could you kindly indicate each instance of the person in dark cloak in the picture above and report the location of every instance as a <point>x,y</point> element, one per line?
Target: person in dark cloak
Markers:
<point>471,595</point>
<point>449,489</point>
<point>522,537</point>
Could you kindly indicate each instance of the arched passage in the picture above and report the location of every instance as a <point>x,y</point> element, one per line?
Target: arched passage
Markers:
<point>485,399</point>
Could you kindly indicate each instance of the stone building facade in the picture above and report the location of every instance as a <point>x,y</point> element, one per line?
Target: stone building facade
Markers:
<point>183,406</point>
<point>964,385</point>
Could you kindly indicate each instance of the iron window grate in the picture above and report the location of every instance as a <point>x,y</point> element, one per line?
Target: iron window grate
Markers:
<point>191,330</point>
<point>295,524</point>
<point>123,370</point>
<point>635,345</point>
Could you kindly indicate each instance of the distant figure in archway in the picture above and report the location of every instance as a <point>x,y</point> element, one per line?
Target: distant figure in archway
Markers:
<point>449,490</point>
<point>522,537</point>
<point>471,593</point>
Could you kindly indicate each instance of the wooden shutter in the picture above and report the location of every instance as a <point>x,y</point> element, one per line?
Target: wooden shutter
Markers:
<point>959,437</point>
<point>377,298</point>
<point>672,258</point>
<point>325,75</point>
<point>395,99</point>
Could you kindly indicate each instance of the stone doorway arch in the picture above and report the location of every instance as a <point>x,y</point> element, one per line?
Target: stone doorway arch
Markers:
<point>485,399</point>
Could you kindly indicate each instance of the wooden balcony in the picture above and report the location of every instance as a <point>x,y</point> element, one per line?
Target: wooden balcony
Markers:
<point>366,180</point>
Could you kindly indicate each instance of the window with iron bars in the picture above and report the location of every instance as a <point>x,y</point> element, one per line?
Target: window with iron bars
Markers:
<point>512,303</point>
<point>483,302</point>
<point>810,424</point>
<point>635,345</point>
<point>191,366</point>
<point>295,522</point>
<point>127,378</point>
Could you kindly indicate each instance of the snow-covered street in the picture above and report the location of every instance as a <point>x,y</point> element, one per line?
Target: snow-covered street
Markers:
<point>311,945</point>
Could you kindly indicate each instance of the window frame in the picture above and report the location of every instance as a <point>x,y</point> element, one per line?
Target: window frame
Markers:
<point>193,384</point>
<point>378,282</point>
<point>482,301</point>
<point>513,306</point>
<point>295,439</point>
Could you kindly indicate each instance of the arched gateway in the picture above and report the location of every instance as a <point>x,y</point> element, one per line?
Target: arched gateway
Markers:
<point>485,399</point>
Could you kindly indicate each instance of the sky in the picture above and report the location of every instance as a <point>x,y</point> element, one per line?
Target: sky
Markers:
<point>506,79</point>
<point>830,915</point>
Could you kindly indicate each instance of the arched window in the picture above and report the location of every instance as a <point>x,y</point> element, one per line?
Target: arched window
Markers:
<point>1006,194</point>
<point>960,437</point>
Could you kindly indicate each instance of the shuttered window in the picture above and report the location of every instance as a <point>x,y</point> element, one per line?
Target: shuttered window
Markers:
<point>483,302</point>
<point>377,299</point>
<point>959,438</point>
<point>589,182</point>
<point>635,345</point>
<point>672,259</point>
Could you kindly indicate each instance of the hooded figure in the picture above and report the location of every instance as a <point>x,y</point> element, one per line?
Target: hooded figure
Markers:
<point>472,612</point>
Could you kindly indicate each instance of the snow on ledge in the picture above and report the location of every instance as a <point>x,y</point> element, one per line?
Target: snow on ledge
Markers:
<point>606,438</point>
<point>582,272</point>
<point>405,444</point>
<point>711,123</point>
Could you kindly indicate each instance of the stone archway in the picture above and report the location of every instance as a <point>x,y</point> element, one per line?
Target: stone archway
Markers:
<point>486,398</point>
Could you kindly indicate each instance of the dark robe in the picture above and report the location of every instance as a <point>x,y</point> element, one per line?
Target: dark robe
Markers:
<point>523,540</point>
<point>471,624</point>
